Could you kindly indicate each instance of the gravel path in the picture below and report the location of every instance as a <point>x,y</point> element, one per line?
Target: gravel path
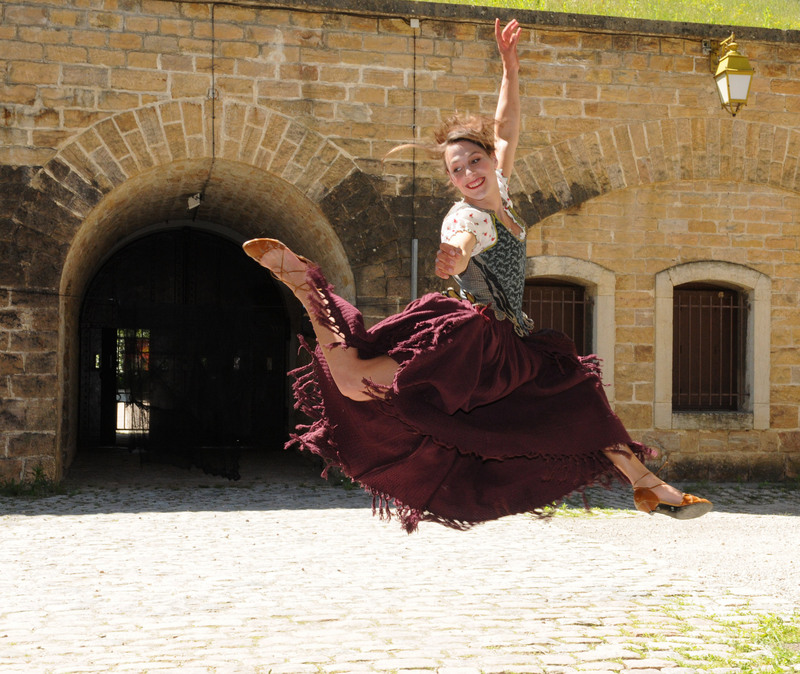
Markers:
<point>750,540</point>
<point>151,570</point>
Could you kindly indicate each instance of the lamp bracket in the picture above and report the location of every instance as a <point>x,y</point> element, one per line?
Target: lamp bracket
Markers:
<point>714,49</point>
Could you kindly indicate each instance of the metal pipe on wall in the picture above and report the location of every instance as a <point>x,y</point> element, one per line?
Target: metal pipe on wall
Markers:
<point>414,267</point>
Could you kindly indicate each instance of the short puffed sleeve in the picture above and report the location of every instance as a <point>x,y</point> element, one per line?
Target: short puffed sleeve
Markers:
<point>502,181</point>
<point>464,218</point>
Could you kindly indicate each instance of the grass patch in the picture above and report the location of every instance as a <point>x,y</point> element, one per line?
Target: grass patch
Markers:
<point>762,643</point>
<point>578,511</point>
<point>338,479</point>
<point>777,638</point>
<point>781,14</point>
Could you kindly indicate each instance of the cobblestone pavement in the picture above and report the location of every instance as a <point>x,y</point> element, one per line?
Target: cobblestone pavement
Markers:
<point>285,573</point>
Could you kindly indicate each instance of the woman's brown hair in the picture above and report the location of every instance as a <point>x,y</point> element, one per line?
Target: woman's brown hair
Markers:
<point>473,128</point>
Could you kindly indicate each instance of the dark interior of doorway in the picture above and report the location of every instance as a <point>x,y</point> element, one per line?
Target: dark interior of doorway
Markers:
<point>183,353</point>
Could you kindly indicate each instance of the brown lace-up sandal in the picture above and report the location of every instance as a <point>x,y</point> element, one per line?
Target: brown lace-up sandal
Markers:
<point>257,248</point>
<point>690,506</point>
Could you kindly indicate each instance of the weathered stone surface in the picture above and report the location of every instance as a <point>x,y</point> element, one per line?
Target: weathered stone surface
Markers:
<point>11,469</point>
<point>12,414</point>
<point>11,363</point>
<point>32,445</point>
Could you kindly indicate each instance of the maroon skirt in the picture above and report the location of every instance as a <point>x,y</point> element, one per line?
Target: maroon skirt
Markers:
<point>479,422</point>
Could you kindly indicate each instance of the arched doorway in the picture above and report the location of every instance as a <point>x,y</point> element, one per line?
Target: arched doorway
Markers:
<point>234,208</point>
<point>183,345</point>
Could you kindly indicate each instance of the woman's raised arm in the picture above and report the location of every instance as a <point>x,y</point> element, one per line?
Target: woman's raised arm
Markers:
<point>507,116</point>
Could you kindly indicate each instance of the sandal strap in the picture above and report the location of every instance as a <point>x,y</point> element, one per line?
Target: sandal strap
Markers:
<point>649,472</point>
<point>652,486</point>
<point>257,248</point>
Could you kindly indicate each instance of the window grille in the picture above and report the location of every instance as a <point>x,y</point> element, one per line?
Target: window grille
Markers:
<point>708,348</point>
<point>560,306</point>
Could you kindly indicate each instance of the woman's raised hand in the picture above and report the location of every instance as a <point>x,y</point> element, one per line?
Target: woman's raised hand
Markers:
<point>507,39</point>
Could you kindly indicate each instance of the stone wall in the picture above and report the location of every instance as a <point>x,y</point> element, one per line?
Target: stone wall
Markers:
<point>112,112</point>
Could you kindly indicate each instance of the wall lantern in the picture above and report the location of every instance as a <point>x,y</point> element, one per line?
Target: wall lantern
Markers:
<point>732,73</point>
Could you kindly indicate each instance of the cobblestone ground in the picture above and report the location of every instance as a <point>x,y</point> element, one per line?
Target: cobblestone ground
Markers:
<point>290,574</point>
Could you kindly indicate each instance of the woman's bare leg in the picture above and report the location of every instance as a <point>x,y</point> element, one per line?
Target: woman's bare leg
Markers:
<point>640,476</point>
<point>346,368</point>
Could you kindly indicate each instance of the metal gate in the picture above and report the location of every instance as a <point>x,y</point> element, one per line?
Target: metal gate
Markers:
<point>560,306</point>
<point>183,352</point>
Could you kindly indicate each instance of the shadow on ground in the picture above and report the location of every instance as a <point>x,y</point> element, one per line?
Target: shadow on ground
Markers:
<point>107,481</point>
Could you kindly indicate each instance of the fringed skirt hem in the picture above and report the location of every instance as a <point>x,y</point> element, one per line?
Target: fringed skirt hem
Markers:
<point>479,423</point>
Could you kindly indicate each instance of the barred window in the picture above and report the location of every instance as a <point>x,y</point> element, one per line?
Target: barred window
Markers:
<point>560,306</point>
<point>709,324</point>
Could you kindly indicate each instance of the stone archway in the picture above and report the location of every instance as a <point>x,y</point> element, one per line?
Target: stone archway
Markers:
<point>134,171</point>
<point>240,202</point>
<point>573,171</point>
<point>195,151</point>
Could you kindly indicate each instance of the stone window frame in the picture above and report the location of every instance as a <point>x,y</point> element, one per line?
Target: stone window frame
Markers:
<point>757,290</point>
<point>599,284</point>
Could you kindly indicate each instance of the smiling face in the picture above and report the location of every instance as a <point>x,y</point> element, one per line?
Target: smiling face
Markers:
<point>471,170</point>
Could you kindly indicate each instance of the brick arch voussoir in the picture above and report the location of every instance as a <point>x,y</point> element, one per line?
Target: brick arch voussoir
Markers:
<point>321,170</point>
<point>120,147</point>
<point>49,211</point>
<point>135,141</point>
<point>567,174</point>
<point>62,193</point>
<point>281,145</point>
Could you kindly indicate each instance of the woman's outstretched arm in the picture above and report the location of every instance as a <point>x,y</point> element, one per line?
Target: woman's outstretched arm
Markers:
<point>507,116</point>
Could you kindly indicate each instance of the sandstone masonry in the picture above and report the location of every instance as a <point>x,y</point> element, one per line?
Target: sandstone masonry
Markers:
<point>630,176</point>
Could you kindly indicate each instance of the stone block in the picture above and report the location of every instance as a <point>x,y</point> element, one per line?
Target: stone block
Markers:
<point>17,94</point>
<point>793,466</point>
<point>730,467</point>
<point>766,468</point>
<point>11,272</point>
<point>112,139</point>
<point>685,469</point>
<point>11,469</point>
<point>635,416</point>
<point>39,415</point>
<point>239,50</point>
<point>33,342</point>
<point>125,41</point>
<point>27,72</point>
<point>11,50</point>
<point>789,442</point>
<point>10,320</point>
<point>36,386</point>
<point>187,85</point>
<point>39,467</point>
<point>138,80</point>
<point>23,445</point>
<point>105,20</point>
<point>66,54</point>
<point>11,364</point>
<point>50,139</point>
<point>13,414</point>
